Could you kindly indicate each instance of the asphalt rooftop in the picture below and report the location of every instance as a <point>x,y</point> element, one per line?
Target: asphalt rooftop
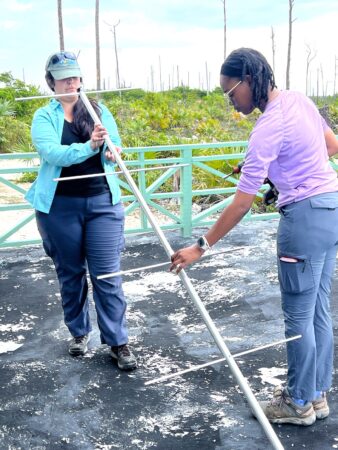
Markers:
<point>50,400</point>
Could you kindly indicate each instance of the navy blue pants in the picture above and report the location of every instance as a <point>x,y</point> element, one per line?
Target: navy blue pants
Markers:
<point>81,234</point>
<point>307,246</point>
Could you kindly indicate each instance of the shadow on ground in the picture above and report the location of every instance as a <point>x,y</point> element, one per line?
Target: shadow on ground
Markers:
<point>50,400</point>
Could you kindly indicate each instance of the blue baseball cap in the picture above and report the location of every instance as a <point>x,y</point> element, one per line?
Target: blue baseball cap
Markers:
<point>63,65</point>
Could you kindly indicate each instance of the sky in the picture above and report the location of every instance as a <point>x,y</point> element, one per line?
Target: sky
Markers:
<point>172,41</point>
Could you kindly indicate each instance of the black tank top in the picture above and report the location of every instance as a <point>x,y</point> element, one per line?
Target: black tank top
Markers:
<point>87,187</point>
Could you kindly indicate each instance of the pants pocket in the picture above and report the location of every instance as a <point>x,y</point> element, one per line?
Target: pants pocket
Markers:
<point>295,277</point>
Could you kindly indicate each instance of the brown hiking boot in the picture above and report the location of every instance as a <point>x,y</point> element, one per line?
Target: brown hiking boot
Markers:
<point>282,409</point>
<point>125,359</point>
<point>321,407</point>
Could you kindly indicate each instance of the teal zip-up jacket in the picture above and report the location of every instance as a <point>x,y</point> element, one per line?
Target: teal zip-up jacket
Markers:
<point>46,132</point>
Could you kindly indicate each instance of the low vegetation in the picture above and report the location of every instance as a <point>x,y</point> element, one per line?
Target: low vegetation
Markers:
<point>179,116</point>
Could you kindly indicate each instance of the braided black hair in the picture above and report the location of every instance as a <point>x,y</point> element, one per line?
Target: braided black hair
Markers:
<point>82,121</point>
<point>246,61</point>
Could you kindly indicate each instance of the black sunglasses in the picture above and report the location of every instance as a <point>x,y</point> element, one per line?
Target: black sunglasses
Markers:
<point>62,56</point>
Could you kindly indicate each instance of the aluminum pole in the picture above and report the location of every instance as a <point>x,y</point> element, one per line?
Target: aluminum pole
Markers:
<point>100,91</point>
<point>269,431</point>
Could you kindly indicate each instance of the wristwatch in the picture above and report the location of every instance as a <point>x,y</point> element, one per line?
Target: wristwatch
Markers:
<point>203,243</point>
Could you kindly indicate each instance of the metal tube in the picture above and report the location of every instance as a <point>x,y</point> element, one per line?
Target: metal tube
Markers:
<point>216,361</point>
<point>104,174</point>
<point>22,99</point>
<point>153,266</point>
<point>269,431</point>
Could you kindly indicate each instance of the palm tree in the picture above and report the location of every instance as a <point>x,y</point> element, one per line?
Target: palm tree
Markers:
<point>6,108</point>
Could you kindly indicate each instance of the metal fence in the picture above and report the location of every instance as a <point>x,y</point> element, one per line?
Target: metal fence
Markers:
<point>175,208</point>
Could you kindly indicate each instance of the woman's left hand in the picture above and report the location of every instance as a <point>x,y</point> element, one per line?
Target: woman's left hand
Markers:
<point>98,135</point>
<point>109,155</point>
<point>185,256</point>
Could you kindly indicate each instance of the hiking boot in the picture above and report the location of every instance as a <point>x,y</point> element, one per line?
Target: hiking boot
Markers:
<point>78,345</point>
<point>282,409</point>
<point>125,359</point>
<point>321,407</point>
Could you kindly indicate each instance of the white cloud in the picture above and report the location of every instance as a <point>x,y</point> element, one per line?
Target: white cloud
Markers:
<point>9,24</point>
<point>15,5</point>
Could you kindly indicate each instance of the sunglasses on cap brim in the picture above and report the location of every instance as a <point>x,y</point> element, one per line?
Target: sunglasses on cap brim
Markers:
<point>59,57</point>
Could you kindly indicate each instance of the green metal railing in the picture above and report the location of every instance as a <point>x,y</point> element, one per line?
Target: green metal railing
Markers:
<point>154,191</point>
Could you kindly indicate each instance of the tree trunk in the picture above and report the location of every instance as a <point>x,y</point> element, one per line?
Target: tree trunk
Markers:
<point>288,63</point>
<point>225,29</point>
<point>97,42</point>
<point>273,48</point>
<point>61,39</point>
<point>160,73</point>
<point>335,75</point>
<point>309,59</point>
<point>118,84</point>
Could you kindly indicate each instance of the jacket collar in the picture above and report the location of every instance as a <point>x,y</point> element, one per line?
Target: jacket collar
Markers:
<point>54,104</point>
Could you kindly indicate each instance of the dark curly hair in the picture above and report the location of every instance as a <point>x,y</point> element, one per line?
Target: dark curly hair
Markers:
<point>82,121</point>
<point>246,61</point>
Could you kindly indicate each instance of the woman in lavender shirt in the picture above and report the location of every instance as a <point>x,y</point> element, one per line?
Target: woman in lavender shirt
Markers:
<point>290,144</point>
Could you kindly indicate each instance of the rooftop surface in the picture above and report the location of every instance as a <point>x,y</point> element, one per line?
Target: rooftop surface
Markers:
<point>50,400</point>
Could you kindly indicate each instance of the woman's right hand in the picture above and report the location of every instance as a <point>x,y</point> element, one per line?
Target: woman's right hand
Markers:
<point>97,137</point>
<point>185,256</point>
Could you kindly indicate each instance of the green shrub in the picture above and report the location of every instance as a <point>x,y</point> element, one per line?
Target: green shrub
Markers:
<point>14,135</point>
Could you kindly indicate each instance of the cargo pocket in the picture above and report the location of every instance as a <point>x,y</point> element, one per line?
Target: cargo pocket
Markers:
<point>326,202</point>
<point>295,277</point>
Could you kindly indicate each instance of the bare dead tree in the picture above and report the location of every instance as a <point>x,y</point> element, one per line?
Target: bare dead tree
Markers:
<point>160,72</point>
<point>116,56</point>
<point>288,62</point>
<point>335,74</point>
<point>113,31</point>
<point>207,75</point>
<point>273,44</point>
<point>309,58</point>
<point>322,77</point>
<point>224,29</point>
<point>97,44</point>
<point>60,22</point>
<point>152,78</point>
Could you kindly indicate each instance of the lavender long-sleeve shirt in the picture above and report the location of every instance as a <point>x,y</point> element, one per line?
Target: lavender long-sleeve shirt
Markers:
<point>287,145</point>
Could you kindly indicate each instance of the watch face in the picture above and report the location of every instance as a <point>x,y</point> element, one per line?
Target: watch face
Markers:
<point>200,242</point>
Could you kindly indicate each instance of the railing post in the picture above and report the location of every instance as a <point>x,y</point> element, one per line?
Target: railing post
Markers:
<point>143,188</point>
<point>186,193</point>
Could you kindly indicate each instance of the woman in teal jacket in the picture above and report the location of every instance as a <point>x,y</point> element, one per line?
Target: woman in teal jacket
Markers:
<point>81,222</point>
